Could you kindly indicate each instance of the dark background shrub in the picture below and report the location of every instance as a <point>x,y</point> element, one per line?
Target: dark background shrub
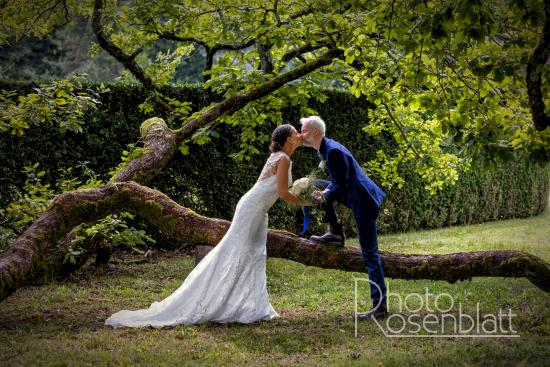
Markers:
<point>210,182</point>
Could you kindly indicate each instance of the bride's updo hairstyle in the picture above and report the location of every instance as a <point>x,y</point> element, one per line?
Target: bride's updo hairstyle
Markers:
<point>279,136</point>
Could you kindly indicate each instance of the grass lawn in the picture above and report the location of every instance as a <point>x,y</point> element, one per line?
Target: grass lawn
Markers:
<point>61,323</point>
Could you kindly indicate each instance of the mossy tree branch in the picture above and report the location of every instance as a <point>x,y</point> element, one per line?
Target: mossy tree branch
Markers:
<point>36,253</point>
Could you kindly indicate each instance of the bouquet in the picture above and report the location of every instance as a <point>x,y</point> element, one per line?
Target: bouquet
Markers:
<point>303,188</point>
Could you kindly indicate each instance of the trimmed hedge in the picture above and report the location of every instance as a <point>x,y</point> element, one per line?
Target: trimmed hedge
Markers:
<point>210,182</point>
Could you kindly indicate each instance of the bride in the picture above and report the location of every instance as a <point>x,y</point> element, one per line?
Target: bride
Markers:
<point>229,284</point>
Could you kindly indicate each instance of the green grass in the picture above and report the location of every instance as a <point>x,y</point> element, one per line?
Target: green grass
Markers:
<point>61,323</point>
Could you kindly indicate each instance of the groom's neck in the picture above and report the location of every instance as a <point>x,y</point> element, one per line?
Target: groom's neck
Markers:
<point>318,144</point>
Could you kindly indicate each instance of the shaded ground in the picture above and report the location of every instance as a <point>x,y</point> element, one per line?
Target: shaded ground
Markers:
<point>61,323</point>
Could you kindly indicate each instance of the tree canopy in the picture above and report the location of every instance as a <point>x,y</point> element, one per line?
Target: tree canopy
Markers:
<point>445,78</point>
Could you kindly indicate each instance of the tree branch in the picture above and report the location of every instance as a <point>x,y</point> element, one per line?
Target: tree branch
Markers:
<point>239,100</point>
<point>27,259</point>
<point>301,13</point>
<point>216,47</point>
<point>402,131</point>
<point>299,51</point>
<point>233,46</point>
<point>450,65</point>
<point>128,61</point>
<point>51,9</point>
<point>208,64</point>
<point>161,145</point>
<point>210,50</point>
<point>172,37</point>
<point>266,63</point>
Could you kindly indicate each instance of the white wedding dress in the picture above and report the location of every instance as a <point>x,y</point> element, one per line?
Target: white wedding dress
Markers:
<point>229,284</point>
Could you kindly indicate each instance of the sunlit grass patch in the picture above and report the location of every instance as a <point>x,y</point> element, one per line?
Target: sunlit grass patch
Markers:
<point>61,323</point>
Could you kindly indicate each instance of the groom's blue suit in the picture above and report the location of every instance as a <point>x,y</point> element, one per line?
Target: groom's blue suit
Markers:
<point>350,186</point>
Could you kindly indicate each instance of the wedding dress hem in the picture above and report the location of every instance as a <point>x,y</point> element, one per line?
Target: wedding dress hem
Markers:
<point>229,284</point>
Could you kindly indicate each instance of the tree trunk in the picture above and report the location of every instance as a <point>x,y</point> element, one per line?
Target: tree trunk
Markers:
<point>36,253</point>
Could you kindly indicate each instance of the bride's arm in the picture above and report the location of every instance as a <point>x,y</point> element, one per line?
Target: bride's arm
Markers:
<point>282,184</point>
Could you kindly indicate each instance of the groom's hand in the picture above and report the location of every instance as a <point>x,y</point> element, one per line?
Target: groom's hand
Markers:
<point>317,196</point>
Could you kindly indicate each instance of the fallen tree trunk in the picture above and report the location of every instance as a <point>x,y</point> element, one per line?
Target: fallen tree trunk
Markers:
<point>36,252</point>
<point>448,267</point>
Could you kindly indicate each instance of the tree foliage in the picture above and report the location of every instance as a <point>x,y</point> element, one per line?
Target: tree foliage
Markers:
<point>36,196</point>
<point>59,103</point>
<point>447,78</point>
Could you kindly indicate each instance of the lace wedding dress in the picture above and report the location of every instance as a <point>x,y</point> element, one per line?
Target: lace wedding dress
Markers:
<point>229,284</point>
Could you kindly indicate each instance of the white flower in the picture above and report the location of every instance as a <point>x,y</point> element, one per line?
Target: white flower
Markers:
<point>322,165</point>
<point>301,186</point>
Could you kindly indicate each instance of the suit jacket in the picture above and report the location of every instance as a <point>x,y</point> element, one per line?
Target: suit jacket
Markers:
<point>349,184</point>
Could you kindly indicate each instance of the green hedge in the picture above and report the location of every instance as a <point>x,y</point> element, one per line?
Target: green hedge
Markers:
<point>211,183</point>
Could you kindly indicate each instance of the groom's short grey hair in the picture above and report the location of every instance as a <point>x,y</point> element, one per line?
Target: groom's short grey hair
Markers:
<point>314,121</point>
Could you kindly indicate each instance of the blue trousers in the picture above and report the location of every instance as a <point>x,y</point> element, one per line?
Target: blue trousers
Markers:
<point>365,214</point>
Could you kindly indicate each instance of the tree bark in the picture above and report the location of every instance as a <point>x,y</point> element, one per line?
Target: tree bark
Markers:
<point>36,253</point>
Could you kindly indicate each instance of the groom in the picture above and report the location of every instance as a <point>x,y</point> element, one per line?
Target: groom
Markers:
<point>350,186</point>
